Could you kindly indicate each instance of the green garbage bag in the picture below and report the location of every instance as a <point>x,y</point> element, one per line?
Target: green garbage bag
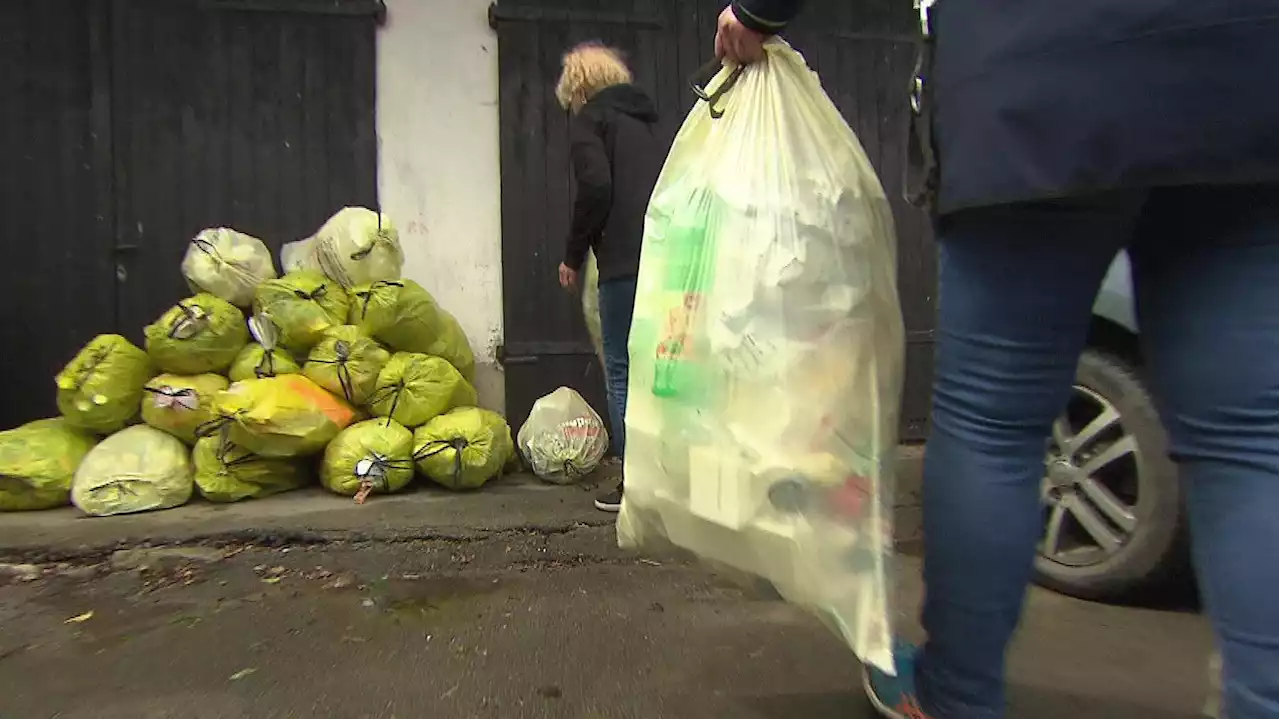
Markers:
<point>134,470</point>
<point>405,317</point>
<point>347,362</point>
<point>228,473</point>
<point>262,357</point>
<point>101,388</point>
<point>180,405</point>
<point>285,416</point>
<point>302,305</point>
<point>38,461</point>
<point>463,448</point>
<point>199,334</point>
<point>228,264</point>
<point>591,304</point>
<point>375,455</point>
<point>358,245</point>
<point>413,388</point>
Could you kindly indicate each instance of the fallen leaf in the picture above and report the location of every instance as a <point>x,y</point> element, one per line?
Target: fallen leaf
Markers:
<point>243,673</point>
<point>271,580</point>
<point>80,618</point>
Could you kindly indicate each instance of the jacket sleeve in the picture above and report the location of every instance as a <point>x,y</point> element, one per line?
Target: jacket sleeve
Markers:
<point>594,197</point>
<point>766,16</point>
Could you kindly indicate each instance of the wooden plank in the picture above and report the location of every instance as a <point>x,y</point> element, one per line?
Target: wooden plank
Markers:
<point>364,80</point>
<point>291,169</point>
<point>315,131</point>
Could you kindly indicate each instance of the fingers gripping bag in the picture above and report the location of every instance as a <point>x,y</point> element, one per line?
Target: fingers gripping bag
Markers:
<point>766,351</point>
<point>357,246</point>
<point>200,334</point>
<point>302,306</point>
<point>564,438</point>
<point>262,358</point>
<point>375,455</point>
<point>463,448</point>
<point>134,470</point>
<point>225,472</point>
<point>285,416</point>
<point>413,388</point>
<point>347,362</point>
<point>181,405</point>
<point>101,388</point>
<point>227,264</point>
<point>37,463</point>
<point>405,317</point>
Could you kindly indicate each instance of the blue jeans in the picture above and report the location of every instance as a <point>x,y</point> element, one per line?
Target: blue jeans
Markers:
<point>617,304</point>
<point>1016,285</point>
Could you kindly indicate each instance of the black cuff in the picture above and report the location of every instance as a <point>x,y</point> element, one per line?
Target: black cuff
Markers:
<point>752,22</point>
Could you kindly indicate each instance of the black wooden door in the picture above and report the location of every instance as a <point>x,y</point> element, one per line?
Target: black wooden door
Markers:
<point>130,125</point>
<point>863,51</point>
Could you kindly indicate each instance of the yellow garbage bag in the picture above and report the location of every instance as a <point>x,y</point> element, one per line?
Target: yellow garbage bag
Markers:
<point>227,264</point>
<point>101,388</point>
<point>262,357</point>
<point>405,317</point>
<point>591,304</point>
<point>463,448</point>
<point>180,405</point>
<point>285,416</point>
<point>375,455</point>
<point>38,461</point>
<point>134,470</point>
<point>201,334</point>
<point>302,305</point>
<point>228,473</point>
<point>347,362</point>
<point>358,245</point>
<point>412,388</point>
<point>766,352</point>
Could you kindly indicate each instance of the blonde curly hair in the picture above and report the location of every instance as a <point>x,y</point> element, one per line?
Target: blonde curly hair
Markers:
<point>588,69</point>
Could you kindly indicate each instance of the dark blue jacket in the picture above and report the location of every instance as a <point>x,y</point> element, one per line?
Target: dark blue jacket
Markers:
<point>1036,99</point>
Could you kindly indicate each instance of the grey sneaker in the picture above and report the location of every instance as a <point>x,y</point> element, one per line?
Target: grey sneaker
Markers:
<point>610,501</point>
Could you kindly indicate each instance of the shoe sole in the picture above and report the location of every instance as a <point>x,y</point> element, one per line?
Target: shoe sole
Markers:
<point>872,697</point>
<point>606,507</point>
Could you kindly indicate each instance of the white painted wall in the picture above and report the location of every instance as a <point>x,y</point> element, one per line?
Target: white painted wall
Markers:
<point>438,175</point>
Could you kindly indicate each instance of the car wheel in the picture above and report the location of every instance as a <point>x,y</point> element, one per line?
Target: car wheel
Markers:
<point>1113,516</point>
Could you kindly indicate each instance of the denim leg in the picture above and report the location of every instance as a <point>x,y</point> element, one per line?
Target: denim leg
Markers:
<point>1205,265</point>
<point>1016,284</point>
<point>617,304</point>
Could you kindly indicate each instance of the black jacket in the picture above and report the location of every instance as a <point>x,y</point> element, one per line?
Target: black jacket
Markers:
<point>617,154</point>
<point>1036,99</point>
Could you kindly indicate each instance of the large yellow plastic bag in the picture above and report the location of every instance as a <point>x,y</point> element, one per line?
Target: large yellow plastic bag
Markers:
<point>302,306</point>
<point>285,416</point>
<point>180,405</point>
<point>413,388</point>
<point>37,463</point>
<point>200,334</point>
<point>225,472</point>
<point>357,246</point>
<point>767,353</point>
<point>228,264</point>
<point>463,448</point>
<point>375,455</point>
<point>591,304</point>
<point>347,362</point>
<point>300,256</point>
<point>405,317</point>
<point>100,389</point>
<point>134,470</point>
<point>262,358</point>
<point>563,439</point>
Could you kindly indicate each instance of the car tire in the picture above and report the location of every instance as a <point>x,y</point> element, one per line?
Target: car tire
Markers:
<point>1153,549</point>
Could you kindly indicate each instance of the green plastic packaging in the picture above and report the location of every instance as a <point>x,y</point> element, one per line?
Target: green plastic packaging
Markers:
<point>405,317</point>
<point>37,463</point>
<point>463,448</point>
<point>200,334</point>
<point>302,305</point>
<point>180,405</point>
<point>228,473</point>
<point>255,362</point>
<point>285,416</point>
<point>375,455</point>
<point>347,362</point>
<point>101,388</point>
<point>413,388</point>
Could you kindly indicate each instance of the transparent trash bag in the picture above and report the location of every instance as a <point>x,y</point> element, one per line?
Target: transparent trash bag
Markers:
<point>227,264</point>
<point>564,438</point>
<point>767,352</point>
<point>357,246</point>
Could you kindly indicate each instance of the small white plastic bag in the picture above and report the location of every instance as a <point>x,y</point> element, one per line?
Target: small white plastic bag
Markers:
<point>564,439</point>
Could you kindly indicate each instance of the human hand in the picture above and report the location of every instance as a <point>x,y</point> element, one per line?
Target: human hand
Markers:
<point>737,42</point>
<point>568,277</point>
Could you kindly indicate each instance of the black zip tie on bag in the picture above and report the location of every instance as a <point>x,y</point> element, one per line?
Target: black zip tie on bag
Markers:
<point>457,444</point>
<point>367,295</point>
<point>382,393</point>
<point>193,321</point>
<point>375,463</point>
<point>176,393</point>
<point>313,295</point>
<point>342,350</point>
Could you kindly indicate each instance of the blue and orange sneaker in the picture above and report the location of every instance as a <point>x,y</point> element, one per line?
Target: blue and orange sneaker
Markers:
<point>895,697</point>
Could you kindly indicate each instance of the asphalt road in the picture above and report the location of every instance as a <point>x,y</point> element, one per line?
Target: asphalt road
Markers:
<point>512,625</point>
